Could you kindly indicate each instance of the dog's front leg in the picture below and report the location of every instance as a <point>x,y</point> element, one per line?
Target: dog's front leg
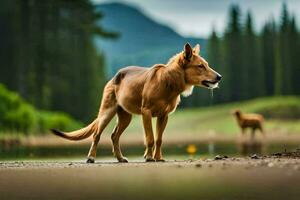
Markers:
<point>161,123</point>
<point>147,117</point>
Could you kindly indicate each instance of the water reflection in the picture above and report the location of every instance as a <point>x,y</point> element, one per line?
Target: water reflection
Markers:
<point>248,147</point>
<point>201,149</point>
<point>211,148</point>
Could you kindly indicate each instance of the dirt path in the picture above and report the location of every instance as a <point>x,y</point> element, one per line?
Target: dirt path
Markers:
<point>232,178</point>
<point>223,163</point>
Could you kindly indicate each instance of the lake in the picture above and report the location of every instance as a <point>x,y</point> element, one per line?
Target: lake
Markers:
<point>135,152</point>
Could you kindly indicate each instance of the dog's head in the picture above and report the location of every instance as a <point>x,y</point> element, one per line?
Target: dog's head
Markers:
<point>236,112</point>
<point>197,70</point>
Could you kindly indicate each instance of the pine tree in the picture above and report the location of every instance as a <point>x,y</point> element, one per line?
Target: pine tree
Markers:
<point>215,58</point>
<point>252,65</point>
<point>294,46</point>
<point>233,55</point>
<point>283,67</point>
<point>268,40</point>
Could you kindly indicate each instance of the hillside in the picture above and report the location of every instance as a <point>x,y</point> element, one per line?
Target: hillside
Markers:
<point>142,41</point>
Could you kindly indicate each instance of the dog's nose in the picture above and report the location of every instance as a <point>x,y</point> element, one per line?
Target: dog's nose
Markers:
<point>219,77</point>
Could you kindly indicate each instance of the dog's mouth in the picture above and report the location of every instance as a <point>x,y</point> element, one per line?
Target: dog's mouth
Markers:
<point>210,84</point>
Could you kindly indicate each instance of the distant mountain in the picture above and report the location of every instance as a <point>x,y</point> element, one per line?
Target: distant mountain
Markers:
<point>142,41</point>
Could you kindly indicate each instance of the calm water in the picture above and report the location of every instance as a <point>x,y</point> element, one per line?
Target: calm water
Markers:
<point>17,152</point>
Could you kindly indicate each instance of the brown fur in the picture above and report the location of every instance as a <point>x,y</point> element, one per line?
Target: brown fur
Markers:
<point>150,92</point>
<point>252,121</point>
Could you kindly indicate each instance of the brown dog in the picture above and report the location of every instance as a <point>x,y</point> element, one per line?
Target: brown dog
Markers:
<point>150,92</point>
<point>253,121</point>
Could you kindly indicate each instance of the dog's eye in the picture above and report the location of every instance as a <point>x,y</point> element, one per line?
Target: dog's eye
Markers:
<point>201,66</point>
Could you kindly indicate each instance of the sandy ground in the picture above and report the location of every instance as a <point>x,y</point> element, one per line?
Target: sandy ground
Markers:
<point>231,178</point>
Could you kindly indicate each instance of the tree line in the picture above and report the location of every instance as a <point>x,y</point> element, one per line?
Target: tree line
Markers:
<point>48,55</point>
<point>256,64</point>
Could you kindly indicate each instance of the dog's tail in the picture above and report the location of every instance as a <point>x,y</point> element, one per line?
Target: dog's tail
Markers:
<point>79,134</point>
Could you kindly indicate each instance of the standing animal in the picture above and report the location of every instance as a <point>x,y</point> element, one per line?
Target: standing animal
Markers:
<point>150,92</point>
<point>252,121</point>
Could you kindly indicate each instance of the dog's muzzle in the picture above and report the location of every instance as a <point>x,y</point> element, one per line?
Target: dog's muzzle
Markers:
<point>210,84</point>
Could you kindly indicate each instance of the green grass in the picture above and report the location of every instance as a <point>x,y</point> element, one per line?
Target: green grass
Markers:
<point>219,120</point>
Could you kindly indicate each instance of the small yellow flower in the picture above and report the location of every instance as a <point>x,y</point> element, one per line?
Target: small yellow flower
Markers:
<point>191,149</point>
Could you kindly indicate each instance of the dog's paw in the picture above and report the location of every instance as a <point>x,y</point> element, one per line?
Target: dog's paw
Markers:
<point>90,160</point>
<point>160,160</point>
<point>149,159</point>
<point>123,160</point>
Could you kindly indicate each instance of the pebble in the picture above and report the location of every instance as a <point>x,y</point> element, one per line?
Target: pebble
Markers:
<point>198,165</point>
<point>219,157</point>
<point>270,164</point>
<point>254,156</point>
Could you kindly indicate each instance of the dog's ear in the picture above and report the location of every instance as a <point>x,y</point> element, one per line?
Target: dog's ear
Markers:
<point>188,52</point>
<point>196,49</point>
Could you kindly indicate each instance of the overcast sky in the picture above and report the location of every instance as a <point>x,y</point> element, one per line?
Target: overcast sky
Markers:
<point>197,17</point>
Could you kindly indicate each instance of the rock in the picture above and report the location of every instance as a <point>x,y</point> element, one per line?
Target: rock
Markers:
<point>219,157</point>
<point>254,156</point>
<point>277,154</point>
<point>198,165</point>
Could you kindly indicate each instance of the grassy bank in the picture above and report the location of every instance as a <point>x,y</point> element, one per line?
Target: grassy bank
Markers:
<point>218,119</point>
<point>282,118</point>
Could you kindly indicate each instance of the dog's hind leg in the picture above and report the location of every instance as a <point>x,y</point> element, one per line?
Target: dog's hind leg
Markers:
<point>103,121</point>
<point>253,133</point>
<point>262,131</point>
<point>107,111</point>
<point>124,119</point>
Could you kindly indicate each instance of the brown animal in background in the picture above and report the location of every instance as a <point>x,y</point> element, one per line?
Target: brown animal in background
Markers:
<point>150,92</point>
<point>253,121</point>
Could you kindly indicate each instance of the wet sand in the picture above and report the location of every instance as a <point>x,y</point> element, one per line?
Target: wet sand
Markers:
<point>232,178</point>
